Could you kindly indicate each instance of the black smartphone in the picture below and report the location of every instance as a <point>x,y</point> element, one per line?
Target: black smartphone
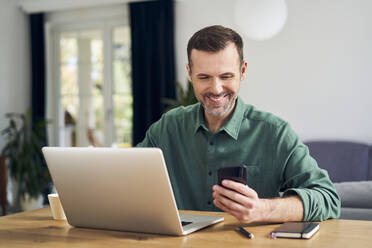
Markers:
<point>234,173</point>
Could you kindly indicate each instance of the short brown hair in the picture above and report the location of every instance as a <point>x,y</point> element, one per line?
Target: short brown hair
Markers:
<point>213,39</point>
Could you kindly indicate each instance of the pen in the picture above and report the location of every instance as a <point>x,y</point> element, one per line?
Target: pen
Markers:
<point>246,233</point>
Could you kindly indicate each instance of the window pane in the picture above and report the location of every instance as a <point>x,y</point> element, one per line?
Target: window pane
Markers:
<point>69,85</point>
<point>97,50</point>
<point>97,75</point>
<point>70,105</point>
<point>91,71</point>
<point>68,48</point>
<point>122,96</point>
<point>123,81</point>
<point>81,71</point>
<point>121,62</point>
<point>123,118</point>
<point>69,59</point>
<point>121,42</point>
<point>96,118</point>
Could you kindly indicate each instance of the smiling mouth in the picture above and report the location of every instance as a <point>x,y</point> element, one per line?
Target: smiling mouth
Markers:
<point>217,99</point>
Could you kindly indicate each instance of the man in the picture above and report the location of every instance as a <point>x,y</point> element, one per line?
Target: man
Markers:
<point>222,131</point>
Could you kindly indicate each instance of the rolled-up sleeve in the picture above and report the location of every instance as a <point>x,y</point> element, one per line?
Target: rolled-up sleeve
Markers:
<point>301,175</point>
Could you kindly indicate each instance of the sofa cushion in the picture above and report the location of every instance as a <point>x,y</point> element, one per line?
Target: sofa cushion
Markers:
<point>356,213</point>
<point>355,194</point>
<point>344,161</point>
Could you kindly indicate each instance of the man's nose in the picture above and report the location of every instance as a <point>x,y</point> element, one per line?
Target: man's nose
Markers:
<point>216,87</point>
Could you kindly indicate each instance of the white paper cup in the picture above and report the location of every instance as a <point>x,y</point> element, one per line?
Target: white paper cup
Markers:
<point>56,207</point>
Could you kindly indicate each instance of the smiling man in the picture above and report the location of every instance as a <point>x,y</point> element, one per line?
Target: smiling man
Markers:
<point>222,131</point>
<point>216,79</point>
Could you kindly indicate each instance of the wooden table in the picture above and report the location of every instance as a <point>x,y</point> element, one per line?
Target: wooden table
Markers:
<point>38,229</point>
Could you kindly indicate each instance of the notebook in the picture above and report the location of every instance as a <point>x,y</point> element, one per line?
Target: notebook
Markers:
<point>303,230</point>
<point>125,189</point>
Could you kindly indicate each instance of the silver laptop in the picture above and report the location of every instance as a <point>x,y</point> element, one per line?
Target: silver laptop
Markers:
<point>126,189</point>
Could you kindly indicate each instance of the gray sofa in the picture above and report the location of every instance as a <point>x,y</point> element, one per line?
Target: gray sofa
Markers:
<point>349,166</point>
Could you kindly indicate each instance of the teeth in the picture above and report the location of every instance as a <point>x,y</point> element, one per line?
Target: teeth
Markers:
<point>216,98</point>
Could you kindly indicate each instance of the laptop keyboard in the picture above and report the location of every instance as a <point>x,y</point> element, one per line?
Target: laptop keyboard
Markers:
<point>185,223</point>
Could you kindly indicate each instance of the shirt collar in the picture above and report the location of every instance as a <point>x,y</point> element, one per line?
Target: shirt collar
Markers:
<point>232,126</point>
<point>200,123</point>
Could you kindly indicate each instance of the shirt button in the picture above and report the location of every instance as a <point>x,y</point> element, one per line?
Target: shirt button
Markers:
<point>210,173</point>
<point>209,202</point>
<point>211,143</point>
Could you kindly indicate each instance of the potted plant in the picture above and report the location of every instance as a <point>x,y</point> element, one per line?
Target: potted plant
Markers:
<point>24,159</point>
<point>185,97</point>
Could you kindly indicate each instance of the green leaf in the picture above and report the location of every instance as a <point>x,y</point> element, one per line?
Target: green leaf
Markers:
<point>184,97</point>
<point>23,151</point>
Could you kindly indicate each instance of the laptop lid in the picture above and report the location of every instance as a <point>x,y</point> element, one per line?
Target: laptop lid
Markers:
<point>125,189</point>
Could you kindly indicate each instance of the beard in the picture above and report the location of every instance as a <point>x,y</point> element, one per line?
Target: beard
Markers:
<point>218,105</point>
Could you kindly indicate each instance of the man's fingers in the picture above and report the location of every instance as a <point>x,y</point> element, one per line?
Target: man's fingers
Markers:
<point>228,202</point>
<point>239,187</point>
<point>246,199</point>
<point>233,196</point>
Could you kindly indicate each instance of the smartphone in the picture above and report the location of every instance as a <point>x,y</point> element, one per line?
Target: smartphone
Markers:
<point>234,173</point>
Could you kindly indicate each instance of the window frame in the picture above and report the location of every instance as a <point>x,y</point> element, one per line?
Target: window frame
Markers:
<point>103,18</point>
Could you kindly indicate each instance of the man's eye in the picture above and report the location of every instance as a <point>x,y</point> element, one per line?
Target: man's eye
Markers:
<point>203,77</point>
<point>227,76</point>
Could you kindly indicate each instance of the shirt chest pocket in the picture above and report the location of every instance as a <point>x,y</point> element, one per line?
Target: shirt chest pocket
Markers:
<point>254,177</point>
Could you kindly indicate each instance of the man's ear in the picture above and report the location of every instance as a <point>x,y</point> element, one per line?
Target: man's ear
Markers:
<point>188,72</point>
<point>243,70</point>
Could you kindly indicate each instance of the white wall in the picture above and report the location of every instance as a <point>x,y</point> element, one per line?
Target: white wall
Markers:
<point>14,61</point>
<point>316,73</point>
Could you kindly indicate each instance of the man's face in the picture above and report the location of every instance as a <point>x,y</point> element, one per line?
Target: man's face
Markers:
<point>216,79</point>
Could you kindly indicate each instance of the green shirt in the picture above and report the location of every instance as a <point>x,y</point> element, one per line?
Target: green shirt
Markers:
<point>276,160</point>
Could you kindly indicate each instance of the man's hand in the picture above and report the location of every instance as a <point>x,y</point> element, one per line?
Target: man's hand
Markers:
<point>244,204</point>
<point>238,200</point>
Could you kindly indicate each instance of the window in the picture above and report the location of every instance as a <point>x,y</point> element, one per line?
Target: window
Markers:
<point>90,78</point>
<point>122,71</point>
